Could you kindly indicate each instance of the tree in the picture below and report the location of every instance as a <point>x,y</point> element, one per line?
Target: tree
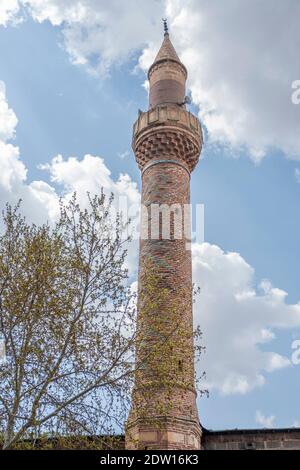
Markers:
<point>67,317</point>
<point>68,323</point>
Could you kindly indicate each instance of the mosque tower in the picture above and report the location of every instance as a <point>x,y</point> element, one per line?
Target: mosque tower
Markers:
<point>167,141</point>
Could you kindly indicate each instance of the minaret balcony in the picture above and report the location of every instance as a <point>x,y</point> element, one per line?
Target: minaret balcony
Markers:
<point>167,130</point>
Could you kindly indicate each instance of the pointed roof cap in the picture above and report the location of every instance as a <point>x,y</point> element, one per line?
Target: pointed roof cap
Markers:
<point>167,51</point>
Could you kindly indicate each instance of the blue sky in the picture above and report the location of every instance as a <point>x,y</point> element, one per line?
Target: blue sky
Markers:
<point>246,178</point>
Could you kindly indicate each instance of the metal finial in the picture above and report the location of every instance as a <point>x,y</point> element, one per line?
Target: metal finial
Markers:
<point>165,26</point>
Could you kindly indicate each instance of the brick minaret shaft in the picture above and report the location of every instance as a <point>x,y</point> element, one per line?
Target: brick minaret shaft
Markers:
<point>167,141</point>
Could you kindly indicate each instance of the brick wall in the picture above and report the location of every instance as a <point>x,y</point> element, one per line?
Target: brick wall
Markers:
<point>258,439</point>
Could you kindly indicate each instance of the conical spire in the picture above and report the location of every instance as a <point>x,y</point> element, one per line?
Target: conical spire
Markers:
<point>167,50</point>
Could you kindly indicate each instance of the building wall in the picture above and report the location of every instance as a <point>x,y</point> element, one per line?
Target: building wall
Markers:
<point>262,439</point>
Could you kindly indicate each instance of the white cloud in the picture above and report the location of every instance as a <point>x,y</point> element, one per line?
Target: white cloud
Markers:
<point>13,170</point>
<point>264,421</point>
<point>8,11</point>
<point>241,59</point>
<point>40,199</point>
<point>91,174</point>
<point>237,319</point>
<point>123,155</point>
<point>8,119</point>
<point>99,33</point>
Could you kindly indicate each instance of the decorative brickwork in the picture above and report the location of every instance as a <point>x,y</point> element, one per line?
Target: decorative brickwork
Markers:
<point>167,142</point>
<point>167,132</point>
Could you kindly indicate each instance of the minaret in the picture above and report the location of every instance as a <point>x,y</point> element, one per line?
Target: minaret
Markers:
<point>167,141</point>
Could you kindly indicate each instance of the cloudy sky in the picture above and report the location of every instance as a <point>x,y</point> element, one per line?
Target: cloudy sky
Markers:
<point>72,77</point>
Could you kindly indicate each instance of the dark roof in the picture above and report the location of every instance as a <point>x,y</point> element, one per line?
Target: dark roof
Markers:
<point>250,431</point>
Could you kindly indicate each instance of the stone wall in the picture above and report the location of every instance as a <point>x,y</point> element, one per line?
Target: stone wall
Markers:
<point>252,439</point>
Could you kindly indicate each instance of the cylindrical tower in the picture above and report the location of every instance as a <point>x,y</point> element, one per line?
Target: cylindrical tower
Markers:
<point>167,141</point>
